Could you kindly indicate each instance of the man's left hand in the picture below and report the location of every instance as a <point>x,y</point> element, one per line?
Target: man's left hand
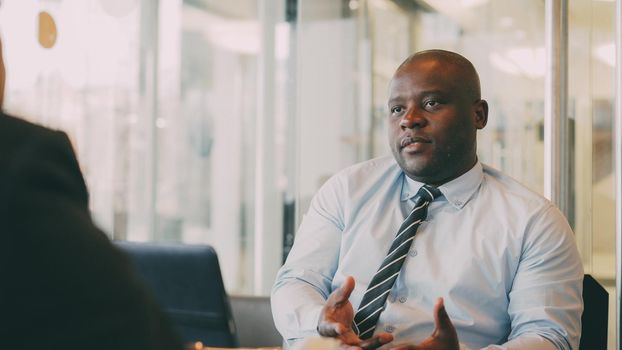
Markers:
<point>444,336</point>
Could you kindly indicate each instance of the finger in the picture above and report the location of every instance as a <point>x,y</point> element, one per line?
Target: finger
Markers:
<point>441,318</point>
<point>384,337</point>
<point>330,329</point>
<point>343,293</point>
<point>376,341</point>
<point>439,305</point>
<point>351,339</point>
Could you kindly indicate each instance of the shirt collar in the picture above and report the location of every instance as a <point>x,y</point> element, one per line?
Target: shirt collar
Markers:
<point>457,191</point>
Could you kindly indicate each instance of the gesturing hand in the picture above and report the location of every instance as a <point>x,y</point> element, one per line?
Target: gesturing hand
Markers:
<point>337,316</point>
<point>444,336</point>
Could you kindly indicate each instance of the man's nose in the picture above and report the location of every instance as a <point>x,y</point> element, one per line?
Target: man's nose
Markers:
<point>412,120</point>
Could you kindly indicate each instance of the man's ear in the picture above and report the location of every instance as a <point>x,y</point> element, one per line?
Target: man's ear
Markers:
<point>481,114</point>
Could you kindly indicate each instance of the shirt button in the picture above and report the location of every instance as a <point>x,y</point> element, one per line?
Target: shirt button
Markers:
<point>389,329</point>
<point>458,203</point>
<point>413,253</point>
<point>403,299</point>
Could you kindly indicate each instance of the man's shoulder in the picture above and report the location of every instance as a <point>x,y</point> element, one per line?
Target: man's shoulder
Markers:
<point>371,166</point>
<point>15,128</point>
<point>370,177</point>
<point>23,144</point>
<point>364,182</point>
<point>512,188</point>
<point>370,170</point>
<point>15,132</point>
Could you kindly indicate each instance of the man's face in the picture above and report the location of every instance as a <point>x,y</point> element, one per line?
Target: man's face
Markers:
<point>433,119</point>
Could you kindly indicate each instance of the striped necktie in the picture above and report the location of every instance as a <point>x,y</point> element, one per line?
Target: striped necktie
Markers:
<point>376,294</point>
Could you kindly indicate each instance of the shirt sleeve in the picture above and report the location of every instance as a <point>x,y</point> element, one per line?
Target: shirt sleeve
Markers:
<point>545,302</point>
<point>524,342</point>
<point>304,282</point>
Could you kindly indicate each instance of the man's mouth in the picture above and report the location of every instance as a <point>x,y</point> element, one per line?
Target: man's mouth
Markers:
<point>413,142</point>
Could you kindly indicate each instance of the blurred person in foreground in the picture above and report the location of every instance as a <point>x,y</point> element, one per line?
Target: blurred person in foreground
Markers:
<point>64,285</point>
<point>429,248</point>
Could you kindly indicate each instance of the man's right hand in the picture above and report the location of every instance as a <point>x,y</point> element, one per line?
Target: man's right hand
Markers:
<point>337,316</point>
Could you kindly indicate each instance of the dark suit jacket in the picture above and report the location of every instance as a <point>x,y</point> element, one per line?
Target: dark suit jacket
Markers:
<point>62,283</point>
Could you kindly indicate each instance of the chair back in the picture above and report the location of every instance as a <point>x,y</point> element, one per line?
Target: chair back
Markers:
<point>594,321</point>
<point>186,281</point>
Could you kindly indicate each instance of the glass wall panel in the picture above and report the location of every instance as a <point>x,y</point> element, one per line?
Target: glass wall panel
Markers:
<point>591,104</point>
<point>161,100</point>
<point>505,42</point>
<point>85,83</point>
<point>333,74</point>
<point>344,85</point>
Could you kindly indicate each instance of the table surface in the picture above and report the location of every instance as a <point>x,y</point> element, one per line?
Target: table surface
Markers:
<point>277,348</point>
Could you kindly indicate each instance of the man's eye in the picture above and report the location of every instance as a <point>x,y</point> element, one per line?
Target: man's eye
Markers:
<point>397,110</point>
<point>431,103</point>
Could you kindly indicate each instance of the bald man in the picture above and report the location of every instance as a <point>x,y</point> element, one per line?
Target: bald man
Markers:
<point>64,285</point>
<point>429,248</point>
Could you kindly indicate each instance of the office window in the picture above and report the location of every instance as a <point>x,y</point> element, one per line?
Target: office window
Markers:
<point>163,101</point>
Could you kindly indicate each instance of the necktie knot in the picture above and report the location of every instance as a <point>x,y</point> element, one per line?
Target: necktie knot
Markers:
<point>427,193</point>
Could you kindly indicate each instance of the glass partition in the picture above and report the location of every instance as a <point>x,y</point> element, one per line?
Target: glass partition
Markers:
<point>345,83</point>
<point>161,100</point>
<point>591,75</point>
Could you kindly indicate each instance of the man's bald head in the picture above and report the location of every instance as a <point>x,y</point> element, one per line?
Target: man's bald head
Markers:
<point>461,68</point>
<point>435,110</point>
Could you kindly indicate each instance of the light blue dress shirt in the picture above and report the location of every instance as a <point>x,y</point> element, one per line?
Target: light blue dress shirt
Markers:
<point>503,258</point>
